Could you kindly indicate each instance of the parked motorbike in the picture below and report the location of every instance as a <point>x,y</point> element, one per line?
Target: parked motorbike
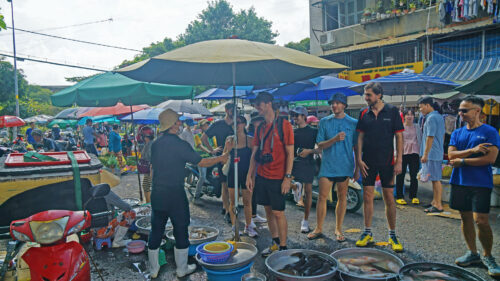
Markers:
<point>212,185</point>
<point>57,259</point>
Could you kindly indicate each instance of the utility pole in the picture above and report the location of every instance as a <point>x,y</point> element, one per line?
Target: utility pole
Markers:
<point>16,89</point>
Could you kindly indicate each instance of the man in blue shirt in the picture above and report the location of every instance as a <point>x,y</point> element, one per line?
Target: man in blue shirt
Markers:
<point>29,137</point>
<point>431,151</point>
<point>472,150</point>
<point>89,137</point>
<point>337,137</point>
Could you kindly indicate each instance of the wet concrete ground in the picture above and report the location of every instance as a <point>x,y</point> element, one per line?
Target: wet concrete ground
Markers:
<point>425,238</point>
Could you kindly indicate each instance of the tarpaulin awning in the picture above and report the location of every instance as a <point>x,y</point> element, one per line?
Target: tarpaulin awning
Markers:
<point>462,70</point>
<point>487,84</point>
<point>118,109</point>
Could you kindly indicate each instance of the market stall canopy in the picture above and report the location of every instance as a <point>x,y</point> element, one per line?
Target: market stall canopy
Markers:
<point>214,62</point>
<point>409,84</point>
<point>486,84</point>
<point>109,88</point>
<point>39,119</point>
<point>146,116</point>
<point>63,123</point>
<point>71,113</point>
<point>8,121</point>
<point>220,94</point>
<point>323,90</point>
<point>221,108</point>
<point>185,106</point>
<point>99,119</point>
<point>116,110</point>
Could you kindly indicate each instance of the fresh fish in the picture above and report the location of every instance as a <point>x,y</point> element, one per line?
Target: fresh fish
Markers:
<point>369,270</point>
<point>325,268</point>
<point>387,266</point>
<point>359,261</point>
<point>433,274</point>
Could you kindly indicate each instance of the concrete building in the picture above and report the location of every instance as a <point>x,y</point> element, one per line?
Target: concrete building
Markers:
<point>380,37</point>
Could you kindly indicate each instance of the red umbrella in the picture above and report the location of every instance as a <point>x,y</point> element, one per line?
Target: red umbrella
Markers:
<point>11,121</point>
<point>118,109</point>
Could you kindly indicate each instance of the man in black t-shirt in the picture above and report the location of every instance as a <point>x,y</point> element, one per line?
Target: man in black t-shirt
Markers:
<point>221,129</point>
<point>377,126</point>
<point>304,168</point>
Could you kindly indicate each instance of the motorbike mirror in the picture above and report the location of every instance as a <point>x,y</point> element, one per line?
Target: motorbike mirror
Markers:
<point>100,190</point>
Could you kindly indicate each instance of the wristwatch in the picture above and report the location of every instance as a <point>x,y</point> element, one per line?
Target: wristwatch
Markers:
<point>288,176</point>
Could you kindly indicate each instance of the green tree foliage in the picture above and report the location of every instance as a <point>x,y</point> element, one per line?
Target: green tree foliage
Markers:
<point>2,23</point>
<point>302,46</point>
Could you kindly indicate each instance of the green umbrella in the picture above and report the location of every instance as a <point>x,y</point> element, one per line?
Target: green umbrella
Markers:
<point>486,84</point>
<point>230,62</point>
<point>63,123</point>
<point>109,88</point>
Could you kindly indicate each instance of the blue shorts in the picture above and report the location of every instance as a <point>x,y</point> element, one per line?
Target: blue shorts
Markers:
<point>434,169</point>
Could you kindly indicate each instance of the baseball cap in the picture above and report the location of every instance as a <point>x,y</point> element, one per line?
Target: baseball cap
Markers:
<point>338,97</point>
<point>300,110</point>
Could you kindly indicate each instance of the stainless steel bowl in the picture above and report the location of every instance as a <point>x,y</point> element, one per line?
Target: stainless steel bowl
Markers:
<point>465,275</point>
<point>245,254</point>
<point>273,261</point>
<point>347,276</point>
<point>254,276</point>
<point>214,233</point>
<point>144,225</point>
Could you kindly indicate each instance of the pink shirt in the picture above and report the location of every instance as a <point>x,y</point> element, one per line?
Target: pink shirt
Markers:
<point>410,140</point>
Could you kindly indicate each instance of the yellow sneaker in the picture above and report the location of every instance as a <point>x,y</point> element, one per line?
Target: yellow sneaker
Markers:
<point>269,250</point>
<point>364,240</point>
<point>401,201</point>
<point>396,245</point>
<point>415,201</point>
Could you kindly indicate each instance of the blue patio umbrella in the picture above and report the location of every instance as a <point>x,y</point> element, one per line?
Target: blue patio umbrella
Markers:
<point>220,94</point>
<point>99,119</point>
<point>409,84</point>
<point>145,116</point>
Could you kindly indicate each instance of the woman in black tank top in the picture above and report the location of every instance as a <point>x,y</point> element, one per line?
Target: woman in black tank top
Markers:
<point>244,152</point>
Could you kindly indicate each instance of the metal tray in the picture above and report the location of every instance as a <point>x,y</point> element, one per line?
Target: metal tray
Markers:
<point>170,235</point>
<point>467,275</point>
<point>244,255</point>
<point>274,259</point>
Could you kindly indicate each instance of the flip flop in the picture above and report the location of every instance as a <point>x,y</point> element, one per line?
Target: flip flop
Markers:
<point>433,210</point>
<point>340,238</point>
<point>314,236</point>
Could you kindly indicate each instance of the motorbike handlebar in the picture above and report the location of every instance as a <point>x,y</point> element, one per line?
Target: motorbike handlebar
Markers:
<point>102,214</point>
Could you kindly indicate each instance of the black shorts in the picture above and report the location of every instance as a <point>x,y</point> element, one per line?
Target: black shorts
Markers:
<point>304,171</point>
<point>268,193</point>
<point>242,180</point>
<point>336,179</point>
<point>386,174</point>
<point>470,199</point>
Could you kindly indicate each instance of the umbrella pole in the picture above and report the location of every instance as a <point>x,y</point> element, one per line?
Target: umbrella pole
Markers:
<point>236,191</point>
<point>135,150</point>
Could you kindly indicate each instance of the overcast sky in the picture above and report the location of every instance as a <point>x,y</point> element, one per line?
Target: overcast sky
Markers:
<point>135,25</point>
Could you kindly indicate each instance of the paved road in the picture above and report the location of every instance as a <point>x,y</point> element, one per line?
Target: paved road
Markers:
<point>425,238</point>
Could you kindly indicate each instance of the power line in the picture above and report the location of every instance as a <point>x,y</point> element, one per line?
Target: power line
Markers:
<point>52,62</point>
<point>74,40</point>
<point>69,26</point>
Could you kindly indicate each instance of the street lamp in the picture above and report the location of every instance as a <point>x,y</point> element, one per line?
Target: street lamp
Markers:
<point>16,89</point>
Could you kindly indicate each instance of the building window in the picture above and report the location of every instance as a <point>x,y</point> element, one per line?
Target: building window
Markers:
<point>405,53</point>
<point>330,16</point>
<point>366,59</point>
<point>340,14</point>
<point>463,48</point>
<point>492,42</point>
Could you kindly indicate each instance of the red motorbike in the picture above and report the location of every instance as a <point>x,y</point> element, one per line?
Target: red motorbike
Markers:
<point>57,259</point>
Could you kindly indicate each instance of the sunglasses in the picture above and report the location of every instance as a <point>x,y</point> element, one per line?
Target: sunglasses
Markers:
<point>465,110</point>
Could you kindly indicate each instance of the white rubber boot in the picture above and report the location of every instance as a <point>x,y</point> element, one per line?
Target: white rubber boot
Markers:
<point>154,265</point>
<point>118,241</point>
<point>181,259</point>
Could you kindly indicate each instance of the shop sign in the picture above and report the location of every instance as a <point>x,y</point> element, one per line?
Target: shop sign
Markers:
<point>362,75</point>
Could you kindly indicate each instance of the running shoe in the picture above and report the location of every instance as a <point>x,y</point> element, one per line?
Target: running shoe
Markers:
<point>469,258</point>
<point>364,240</point>
<point>252,224</point>
<point>304,227</point>
<point>396,245</point>
<point>250,231</point>
<point>415,201</point>
<point>493,267</point>
<point>269,250</point>
<point>401,201</point>
<point>259,219</point>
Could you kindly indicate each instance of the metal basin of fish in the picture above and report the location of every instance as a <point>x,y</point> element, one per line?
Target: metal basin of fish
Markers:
<point>198,234</point>
<point>142,211</point>
<point>245,254</point>
<point>423,271</point>
<point>144,225</point>
<point>317,266</point>
<point>367,264</point>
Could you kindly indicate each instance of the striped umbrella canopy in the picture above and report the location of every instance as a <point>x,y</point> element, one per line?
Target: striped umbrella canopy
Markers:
<point>8,121</point>
<point>409,84</point>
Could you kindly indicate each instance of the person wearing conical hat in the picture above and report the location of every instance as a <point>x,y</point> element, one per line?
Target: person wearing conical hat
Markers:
<point>169,155</point>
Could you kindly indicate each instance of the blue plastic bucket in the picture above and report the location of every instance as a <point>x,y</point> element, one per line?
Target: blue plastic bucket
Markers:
<point>227,275</point>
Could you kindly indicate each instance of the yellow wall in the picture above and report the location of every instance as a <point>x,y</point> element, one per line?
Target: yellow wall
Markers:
<point>362,75</point>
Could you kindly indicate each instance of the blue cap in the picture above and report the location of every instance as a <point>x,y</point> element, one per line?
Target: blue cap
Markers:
<point>300,110</point>
<point>338,97</point>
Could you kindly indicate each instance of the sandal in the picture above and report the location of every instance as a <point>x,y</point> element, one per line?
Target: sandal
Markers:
<point>314,235</point>
<point>340,237</point>
<point>433,210</point>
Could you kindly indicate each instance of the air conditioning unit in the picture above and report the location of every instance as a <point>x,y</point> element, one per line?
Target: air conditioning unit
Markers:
<point>330,39</point>
<point>327,40</point>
